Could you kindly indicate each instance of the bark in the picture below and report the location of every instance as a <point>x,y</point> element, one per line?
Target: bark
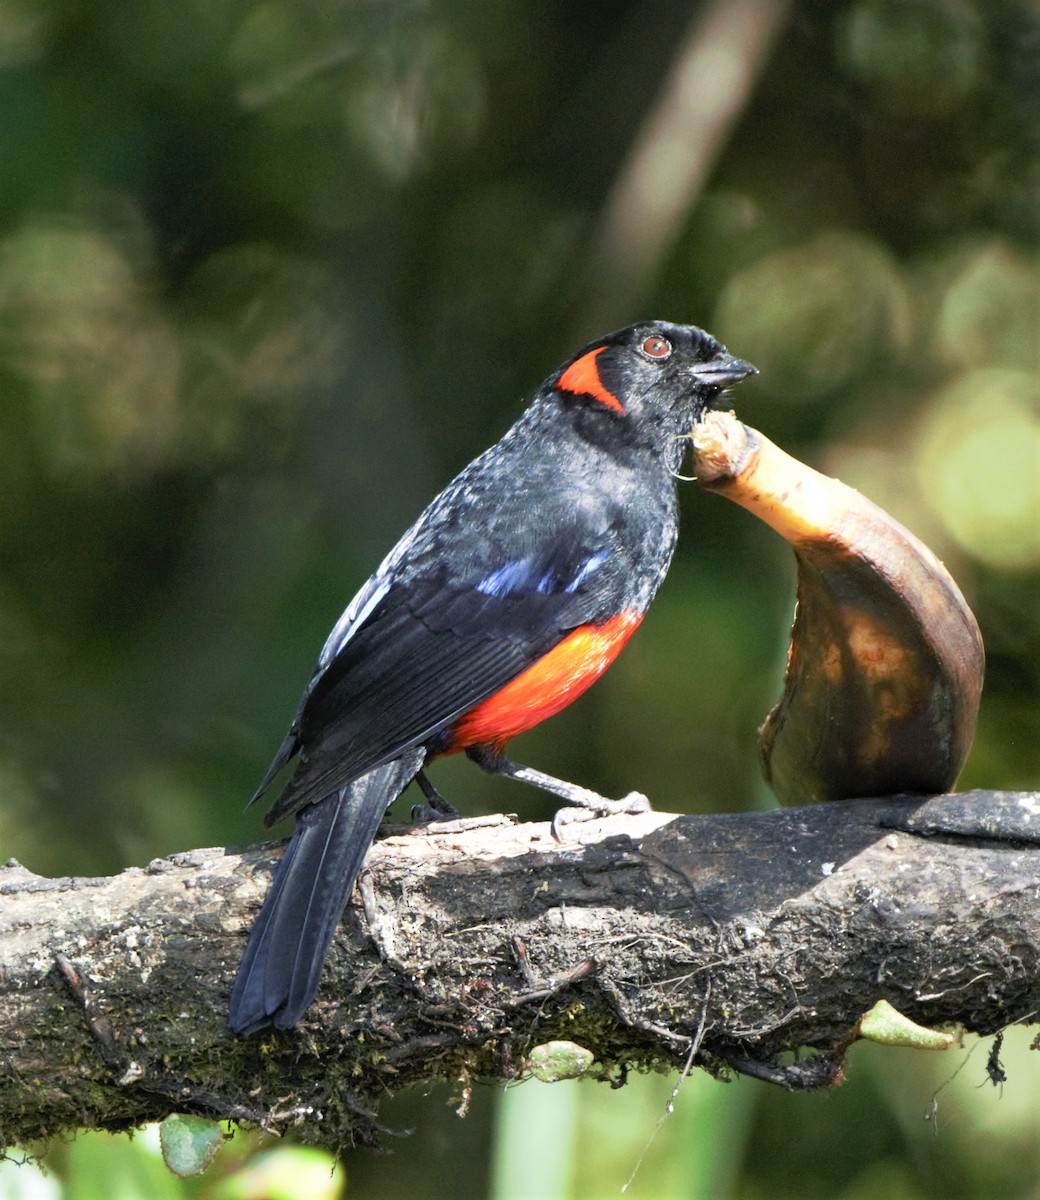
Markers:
<point>649,940</point>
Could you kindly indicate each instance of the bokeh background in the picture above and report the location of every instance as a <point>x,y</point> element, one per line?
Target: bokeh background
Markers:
<point>271,271</point>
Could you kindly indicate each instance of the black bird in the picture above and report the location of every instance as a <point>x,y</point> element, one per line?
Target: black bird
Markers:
<point>507,598</point>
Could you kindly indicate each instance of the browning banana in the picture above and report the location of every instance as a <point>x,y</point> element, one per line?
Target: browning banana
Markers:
<point>885,668</point>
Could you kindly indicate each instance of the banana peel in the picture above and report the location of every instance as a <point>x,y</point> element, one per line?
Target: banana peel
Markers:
<point>886,663</point>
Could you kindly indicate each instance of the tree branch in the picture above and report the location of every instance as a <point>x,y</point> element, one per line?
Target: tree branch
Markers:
<point>473,942</point>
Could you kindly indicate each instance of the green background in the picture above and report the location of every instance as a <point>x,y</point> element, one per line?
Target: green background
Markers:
<point>272,272</point>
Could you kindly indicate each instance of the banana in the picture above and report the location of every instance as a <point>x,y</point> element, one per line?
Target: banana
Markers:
<point>885,669</point>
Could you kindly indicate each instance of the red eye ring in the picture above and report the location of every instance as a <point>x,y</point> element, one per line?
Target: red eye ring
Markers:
<point>656,347</point>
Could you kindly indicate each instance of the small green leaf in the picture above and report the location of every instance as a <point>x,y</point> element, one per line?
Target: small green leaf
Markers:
<point>554,1061</point>
<point>189,1144</point>
<point>887,1025</point>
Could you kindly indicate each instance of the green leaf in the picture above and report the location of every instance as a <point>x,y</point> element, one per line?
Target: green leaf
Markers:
<point>554,1061</point>
<point>189,1144</point>
<point>887,1025</point>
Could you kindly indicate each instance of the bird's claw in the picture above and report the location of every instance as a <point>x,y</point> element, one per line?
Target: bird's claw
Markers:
<point>635,803</point>
<point>424,814</point>
<point>599,806</point>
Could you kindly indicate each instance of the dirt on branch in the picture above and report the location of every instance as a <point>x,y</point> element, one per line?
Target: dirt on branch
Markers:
<point>470,943</point>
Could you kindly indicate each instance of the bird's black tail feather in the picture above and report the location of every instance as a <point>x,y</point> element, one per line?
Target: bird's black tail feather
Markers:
<point>281,968</point>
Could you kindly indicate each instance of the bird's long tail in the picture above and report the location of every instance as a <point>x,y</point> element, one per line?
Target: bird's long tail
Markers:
<point>281,967</point>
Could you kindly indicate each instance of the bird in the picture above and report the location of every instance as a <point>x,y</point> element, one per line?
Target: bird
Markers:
<point>511,594</point>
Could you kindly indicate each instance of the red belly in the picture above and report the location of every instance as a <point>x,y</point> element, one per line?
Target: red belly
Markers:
<point>546,686</point>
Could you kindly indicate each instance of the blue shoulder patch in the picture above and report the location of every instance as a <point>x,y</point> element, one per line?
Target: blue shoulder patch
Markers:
<point>511,577</point>
<point>589,566</point>
<point>526,575</point>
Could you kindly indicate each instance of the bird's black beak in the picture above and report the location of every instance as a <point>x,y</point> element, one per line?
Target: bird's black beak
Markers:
<point>722,370</point>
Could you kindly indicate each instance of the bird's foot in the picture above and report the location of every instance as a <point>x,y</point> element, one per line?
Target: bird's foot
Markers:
<point>436,807</point>
<point>588,806</point>
<point>439,810</point>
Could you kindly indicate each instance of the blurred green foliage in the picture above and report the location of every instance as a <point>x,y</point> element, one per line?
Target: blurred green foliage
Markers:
<point>272,271</point>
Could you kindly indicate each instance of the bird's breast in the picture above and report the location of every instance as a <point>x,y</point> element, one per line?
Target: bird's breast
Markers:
<point>548,685</point>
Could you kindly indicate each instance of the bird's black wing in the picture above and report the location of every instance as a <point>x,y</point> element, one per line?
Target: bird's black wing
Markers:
<point>431,646</point>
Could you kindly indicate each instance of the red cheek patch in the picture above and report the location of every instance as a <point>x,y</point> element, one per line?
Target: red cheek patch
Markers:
<point>582,378</point>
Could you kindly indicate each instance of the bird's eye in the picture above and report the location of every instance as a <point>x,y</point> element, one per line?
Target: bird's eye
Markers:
<point>656,347</point>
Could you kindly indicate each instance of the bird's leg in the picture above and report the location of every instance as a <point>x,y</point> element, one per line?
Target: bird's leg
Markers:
<point>593,804</point>
<point>436,807</point>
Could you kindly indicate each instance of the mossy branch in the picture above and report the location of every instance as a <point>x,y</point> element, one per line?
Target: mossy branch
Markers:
<point>471,943</point>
